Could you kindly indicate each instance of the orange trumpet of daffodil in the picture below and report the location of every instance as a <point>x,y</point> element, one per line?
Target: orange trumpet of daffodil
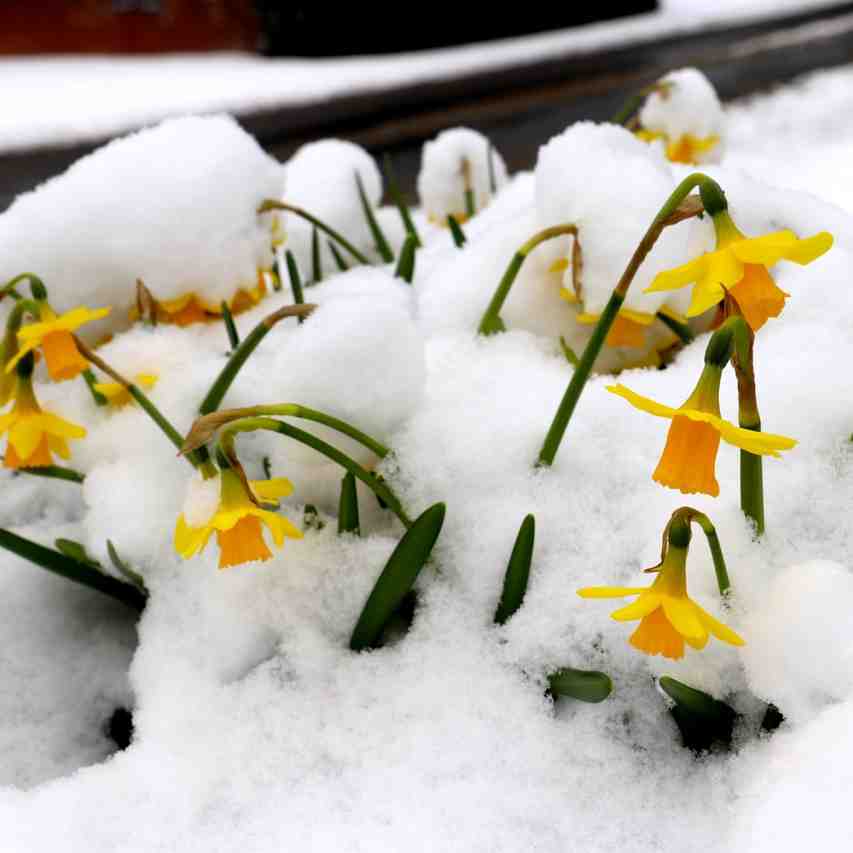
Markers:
<point>237,521</point>
<point>669,618</point>
<point>34,434</point>
<point>53,334</point>
<point>738,266</point>
<point>690,454</point>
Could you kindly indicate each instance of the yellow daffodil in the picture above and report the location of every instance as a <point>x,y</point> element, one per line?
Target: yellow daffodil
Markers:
<point>690,453</point>
<point>53,334</point>
<point>738,267</point>
<point>683,149</point>
<point>33,433</point>
<point>191,308</point>
<point>669,617</point>
<point>117,395</point>
<point>628,329</point>
<point>237,522</point>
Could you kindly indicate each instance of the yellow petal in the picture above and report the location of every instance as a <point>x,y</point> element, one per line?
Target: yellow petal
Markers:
<point>55,425</point>
<point>280,527</point>
<point>705,295</point>
<point>610,591</point>
<point>680,276</point>
<point>718,629</point>
<point>22,351</point>
<point>269,491</point>
<point>190,540</point>
<point>644,404</point>
<point>644,605</point>
<point>25,435</point>
<point>681,612</point>
<point>753,441</point>
<point>805,251</point>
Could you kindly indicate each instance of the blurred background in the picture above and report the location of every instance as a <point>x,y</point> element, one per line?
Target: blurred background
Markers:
<point>75,74</point>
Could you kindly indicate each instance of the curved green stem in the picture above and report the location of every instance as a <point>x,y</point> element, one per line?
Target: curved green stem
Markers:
<point>369,479</point>
<point>240,355</point>
<point>36,283</point>
<point>491,322</point>
<point>272,204</point>
<point>676,208</point>
<point>723,582</point>
<point>751,465</point>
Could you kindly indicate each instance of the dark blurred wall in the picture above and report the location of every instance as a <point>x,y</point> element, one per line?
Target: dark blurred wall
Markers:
<point>126,26</point>
<point>322,28</point>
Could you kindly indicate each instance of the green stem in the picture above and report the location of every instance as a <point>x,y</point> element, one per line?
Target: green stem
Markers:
<point>272,204</point>
<point>276,272</point>
<point>240,355</point>
<point>684,332</point>
<point>669,214</point>
<point>58,563</point>
<point>369,479</point>
<point>54,472</point>
<point>723,582</point>
<point>751,465</point>
<point>8,289</point>
<point>470,205</point>
<point>406,262</point>
<point>491,321</point>
<point>91,381</point>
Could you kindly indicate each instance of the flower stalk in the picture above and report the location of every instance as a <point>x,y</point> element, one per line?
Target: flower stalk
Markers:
<point>678,207</point>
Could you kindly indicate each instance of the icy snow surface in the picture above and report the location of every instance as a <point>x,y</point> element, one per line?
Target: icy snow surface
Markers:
<point>258,730</point>
<point>59,100</point>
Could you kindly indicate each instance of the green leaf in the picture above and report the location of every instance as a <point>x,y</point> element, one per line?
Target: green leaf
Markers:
<point>77,552</point>
<point>491,325</point>
<point>230,328</point>
<point>378,237</point>
<point>456,232</point>
<point>122,568</point>
<point>54,472</point>
<point>517,571</point>
<point>569,353</point>
<point>348,506</point>
<point>701,719</point>
<point>399,201</point>
<point>406,263</point>
<point>295,280</point>
<point>339,260</point>
<point>585,685</point>
<point>91,381</point>
<point>276,272</point>
<point>397,577</point>
<point>316,261</point>
<point>72,569</point>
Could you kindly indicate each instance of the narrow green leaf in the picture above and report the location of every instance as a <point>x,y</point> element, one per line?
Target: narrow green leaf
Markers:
<point>316,261</point>
<point>397,577</point>
<point>54,472</point>
<point>122,567</point>
<point>276,271</point>
<point>569,353</point>
<point>378,237</point>
<point>348,506</point>
<point>77,552</point>
<point>73,570</point>
<point>490,155</point>
<point>701,719</point>
<point>230,328</point>
<point>684,332</point>
<point>585,685</point>
<point>339,260</point>
<point>456,231</point>
<point>295,280</point>
<point>470,209</point>
<point>406,262</point>
<point>90,380</point>
<point>267,467</point>
<point>399,201</point>
<point>517,571</point>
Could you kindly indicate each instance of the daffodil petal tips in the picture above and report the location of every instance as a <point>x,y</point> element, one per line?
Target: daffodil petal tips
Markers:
<point>759,443</point>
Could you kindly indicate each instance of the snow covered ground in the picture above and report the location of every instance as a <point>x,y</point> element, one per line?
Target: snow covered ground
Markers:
<point>58,100</point>
<point>256,728</point>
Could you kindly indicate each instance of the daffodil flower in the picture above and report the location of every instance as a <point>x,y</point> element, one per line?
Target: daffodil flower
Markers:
<point>237,522</point>
<point>33,433</point>
<point>117,395</point>
<point>191,308</point>
<point>669,618</point>
<point>53,335</point>
<point>738,267</point>
<point>628,329</point>
<point>690,453</point>
<point>686,148</point>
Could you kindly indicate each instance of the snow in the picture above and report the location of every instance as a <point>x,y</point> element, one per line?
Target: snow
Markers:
<point>256,728</point>
<point>59,100</point>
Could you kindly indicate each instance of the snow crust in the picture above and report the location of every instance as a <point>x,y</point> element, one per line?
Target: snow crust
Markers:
<point>258,730</point>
